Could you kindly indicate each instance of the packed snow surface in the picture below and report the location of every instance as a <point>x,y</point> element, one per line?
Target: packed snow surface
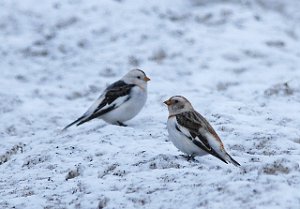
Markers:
<point>236,61</point>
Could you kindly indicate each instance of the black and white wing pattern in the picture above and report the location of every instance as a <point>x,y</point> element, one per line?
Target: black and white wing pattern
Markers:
<point>114,96</point>
<point>198,130</point>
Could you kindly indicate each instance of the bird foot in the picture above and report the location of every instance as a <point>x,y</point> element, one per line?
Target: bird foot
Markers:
<point>189,157</point>
<point>121,124</point>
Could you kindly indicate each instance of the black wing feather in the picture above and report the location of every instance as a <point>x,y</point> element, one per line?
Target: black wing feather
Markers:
<point>191,121</point>
<point>112,92</point>
<point>96,115</point>
<point>207,147</point>
<point>74,122</point>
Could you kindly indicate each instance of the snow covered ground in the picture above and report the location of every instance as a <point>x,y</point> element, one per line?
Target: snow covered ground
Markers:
<point>236,61</point>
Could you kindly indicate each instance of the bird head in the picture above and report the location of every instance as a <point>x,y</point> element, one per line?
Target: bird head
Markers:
<point>137,77</point>
<point>178,104</point>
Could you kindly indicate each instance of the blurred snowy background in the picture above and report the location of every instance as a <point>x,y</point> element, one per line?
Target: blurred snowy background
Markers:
<point>236,61</point>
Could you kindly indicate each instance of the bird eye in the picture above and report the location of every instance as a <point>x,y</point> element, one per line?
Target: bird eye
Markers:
<point>139,77</point>
<point>176,101</point>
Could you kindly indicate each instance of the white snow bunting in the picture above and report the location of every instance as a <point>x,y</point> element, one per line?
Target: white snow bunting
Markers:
<point>120,101</point>
<point>191,133</point>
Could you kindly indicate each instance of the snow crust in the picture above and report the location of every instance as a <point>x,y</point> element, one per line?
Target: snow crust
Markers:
<point>236,61</point>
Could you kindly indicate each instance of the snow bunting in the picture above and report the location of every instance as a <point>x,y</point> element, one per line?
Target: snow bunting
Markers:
<point>191,133</point>
<point>120,101</point>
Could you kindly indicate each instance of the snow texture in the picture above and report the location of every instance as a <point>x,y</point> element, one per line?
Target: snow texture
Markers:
<point>236,61</point>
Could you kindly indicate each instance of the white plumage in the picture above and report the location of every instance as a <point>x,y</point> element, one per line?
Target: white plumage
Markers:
<point>120,102</point>
<point>128,109</point>
<point>179,139</point>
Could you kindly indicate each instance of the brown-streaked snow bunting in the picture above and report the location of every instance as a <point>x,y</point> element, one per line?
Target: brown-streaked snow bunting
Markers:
<point>120,102</point>
<point>191,133</point>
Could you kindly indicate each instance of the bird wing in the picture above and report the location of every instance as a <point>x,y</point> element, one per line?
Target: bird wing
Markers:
<point>201,133</point>
<point>114,96</point>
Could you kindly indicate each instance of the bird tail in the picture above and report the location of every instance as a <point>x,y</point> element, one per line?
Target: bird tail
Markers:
<point>231,160</point>
<point>71,124</point>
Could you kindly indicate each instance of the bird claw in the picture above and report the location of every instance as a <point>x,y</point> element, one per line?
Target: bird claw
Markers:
<point>121,124</point>
<point>189,157</point>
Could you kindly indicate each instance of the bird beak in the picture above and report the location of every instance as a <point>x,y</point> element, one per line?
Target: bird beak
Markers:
<point>146,79</point>
<point>168,102</point>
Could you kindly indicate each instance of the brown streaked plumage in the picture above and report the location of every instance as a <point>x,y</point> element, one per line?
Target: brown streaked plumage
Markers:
<point>191,133</point>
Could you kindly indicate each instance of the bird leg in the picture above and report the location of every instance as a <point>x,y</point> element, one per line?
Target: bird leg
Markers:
<point>189,157</point>
<point>121,124</point>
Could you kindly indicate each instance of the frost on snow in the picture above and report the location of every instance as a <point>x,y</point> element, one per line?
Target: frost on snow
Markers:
<point>236,61</point>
